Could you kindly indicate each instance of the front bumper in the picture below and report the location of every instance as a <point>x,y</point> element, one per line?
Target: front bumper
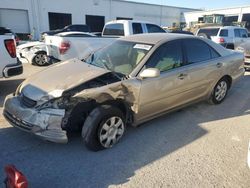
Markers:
<point>13,69</point>
<point>45,123</point>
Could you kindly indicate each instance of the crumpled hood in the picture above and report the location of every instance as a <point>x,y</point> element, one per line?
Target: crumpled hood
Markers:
<point>51,82</point>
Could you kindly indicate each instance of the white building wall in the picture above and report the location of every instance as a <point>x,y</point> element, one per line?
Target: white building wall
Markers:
<point>39,21</point>
<point>239,11</point>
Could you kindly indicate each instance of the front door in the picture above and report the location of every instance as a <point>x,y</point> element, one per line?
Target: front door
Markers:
<point>166,91</point>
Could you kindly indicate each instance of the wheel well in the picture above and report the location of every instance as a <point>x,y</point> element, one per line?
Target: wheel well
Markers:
<point>230,46</point>
<point>229,79</point>
<point>77,115</point>
<point>41,52</point>
<point>123,106</point>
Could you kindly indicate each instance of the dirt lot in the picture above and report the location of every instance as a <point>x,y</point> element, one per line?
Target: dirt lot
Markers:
<point>200,146</point>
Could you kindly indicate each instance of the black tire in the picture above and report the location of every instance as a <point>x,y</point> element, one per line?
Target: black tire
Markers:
<point>230,46</point>
<point>94,125</point>
<point>40,59</point>
<point>215,99</point>
<point>203,35</point>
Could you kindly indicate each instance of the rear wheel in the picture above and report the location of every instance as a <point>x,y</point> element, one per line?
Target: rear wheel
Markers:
<point>40,59</point>
<point>220,91</point>
<point>103,128</point>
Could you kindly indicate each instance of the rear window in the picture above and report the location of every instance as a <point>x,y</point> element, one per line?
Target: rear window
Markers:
<point>83,28</point>
<point>209,32</point>
<point>77,35</point>
<point>154,29</point>
<point>224,33</point>
<point>137,29</point>
<point>114,29</point>
<point>4,31</point>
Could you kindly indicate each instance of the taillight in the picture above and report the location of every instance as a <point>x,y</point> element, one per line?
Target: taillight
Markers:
<point>10,47</point>
<point>221,40</point>
<point>64,47</point>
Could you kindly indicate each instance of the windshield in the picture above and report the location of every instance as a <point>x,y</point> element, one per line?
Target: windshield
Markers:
<point>121,56</point>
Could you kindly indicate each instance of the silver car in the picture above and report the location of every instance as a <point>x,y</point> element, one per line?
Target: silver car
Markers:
<point>135,79</point>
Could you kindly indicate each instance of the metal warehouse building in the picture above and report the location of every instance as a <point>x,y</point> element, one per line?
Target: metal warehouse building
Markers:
<point>234,14</point>
<point>36,16</point>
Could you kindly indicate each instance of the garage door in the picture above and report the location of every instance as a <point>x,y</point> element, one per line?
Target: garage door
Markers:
<point>16,20</point>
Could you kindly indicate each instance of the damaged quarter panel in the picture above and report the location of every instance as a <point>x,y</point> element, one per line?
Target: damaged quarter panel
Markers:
<point>106,89</point>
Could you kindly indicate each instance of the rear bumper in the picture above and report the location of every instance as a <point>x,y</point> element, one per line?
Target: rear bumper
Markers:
<point>13,70</point>
<point>44,123</point>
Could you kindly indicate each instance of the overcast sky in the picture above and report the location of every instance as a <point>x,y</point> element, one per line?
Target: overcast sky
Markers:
<point>204,4</point>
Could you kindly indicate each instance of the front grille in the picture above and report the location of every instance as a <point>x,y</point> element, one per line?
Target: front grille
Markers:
<point>17,122</point>
<point>27,101</point>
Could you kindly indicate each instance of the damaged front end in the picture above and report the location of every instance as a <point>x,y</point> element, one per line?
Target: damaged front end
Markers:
<point>23,113</point>
<point>50,115</point>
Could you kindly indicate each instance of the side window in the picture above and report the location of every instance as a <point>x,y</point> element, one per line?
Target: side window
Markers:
<point>237,33</point>
<point>213,53</point>
<point>154,29</point>
<point>243,33</point>
<point>137,28</point>
<point>224,33</point>
<point>167,57</point>
<point>114,29</point>
<point>197,51</point>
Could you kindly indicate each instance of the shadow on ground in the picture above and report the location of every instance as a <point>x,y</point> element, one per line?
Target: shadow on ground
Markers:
<point>7,87</point>
<point>72,165</point>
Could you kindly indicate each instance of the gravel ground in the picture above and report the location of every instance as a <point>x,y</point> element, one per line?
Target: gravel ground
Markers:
<point>200,146</point>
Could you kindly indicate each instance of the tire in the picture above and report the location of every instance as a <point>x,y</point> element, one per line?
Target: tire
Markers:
<point>230,46</point>
<point>203,35</point>
<point>220,91</point>
<point>40,59</point>
<point>99,132</point>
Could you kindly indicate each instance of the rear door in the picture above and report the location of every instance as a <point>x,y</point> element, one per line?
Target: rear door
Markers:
<point>203,65</point>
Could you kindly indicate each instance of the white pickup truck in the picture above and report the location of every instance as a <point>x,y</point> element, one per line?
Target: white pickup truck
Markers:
<point>63,48</point>
<point>9,65</point>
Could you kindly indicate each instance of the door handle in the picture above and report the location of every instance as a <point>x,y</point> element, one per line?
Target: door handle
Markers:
<point>182,76</point>
<point>219,65</point>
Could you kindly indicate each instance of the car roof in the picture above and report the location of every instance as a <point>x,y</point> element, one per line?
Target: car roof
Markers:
<point>74,32</point>
<point>129,21</point>
<point>154,38</point>
<point>222,27</point>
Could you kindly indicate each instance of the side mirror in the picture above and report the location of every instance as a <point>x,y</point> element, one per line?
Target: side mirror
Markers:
<point>150,73</point>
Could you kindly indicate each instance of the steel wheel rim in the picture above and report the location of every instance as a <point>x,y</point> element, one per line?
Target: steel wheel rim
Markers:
<point>111,131</point>
<point>40,59</point>
<point>221,91</point>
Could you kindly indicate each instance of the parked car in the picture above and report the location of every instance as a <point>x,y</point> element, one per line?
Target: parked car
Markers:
<point>245,48</point>
<point>119,28</point>
<point>182,32</point>
<point>133,80</point>
<point>75,27</point>
<point>9,64</point>
<point>228,36</point>
<point>61,48</point>
<point>36,52</point>
<point>7,30</point>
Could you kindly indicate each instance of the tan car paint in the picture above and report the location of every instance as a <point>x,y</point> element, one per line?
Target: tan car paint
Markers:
<point>147,98</point>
